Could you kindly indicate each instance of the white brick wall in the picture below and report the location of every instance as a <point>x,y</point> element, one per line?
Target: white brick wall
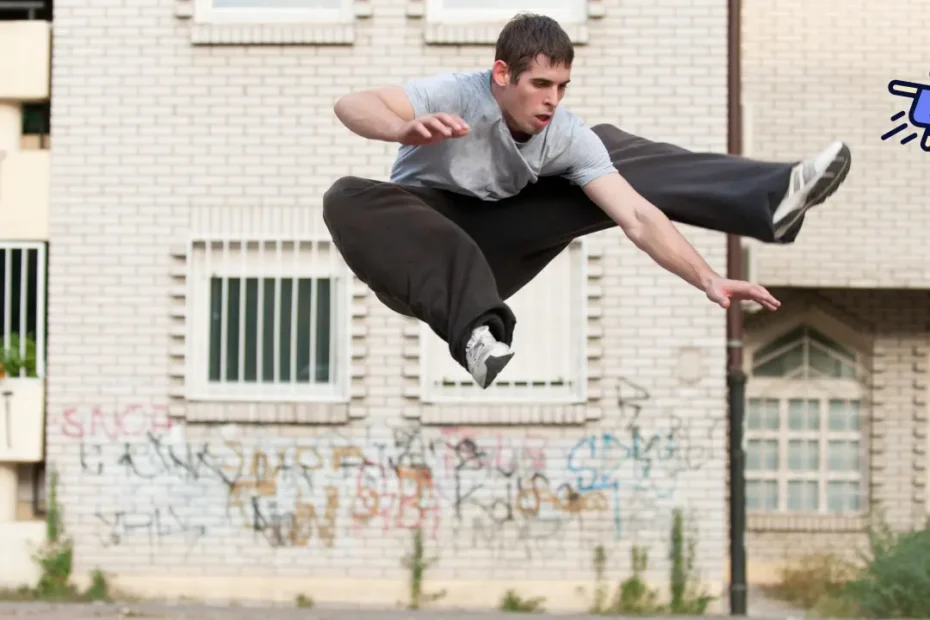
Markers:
<point>149,129</point>
<point>818,71</point>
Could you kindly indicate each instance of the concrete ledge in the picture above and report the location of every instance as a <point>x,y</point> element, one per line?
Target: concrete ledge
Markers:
<point>560,596</point>
<point>19,540</point>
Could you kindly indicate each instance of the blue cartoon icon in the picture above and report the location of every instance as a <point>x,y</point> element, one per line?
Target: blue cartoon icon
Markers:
<point>920,111</point>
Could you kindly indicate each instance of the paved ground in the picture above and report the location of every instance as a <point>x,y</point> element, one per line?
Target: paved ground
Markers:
<point>40,611</point>
<point>760,608</point>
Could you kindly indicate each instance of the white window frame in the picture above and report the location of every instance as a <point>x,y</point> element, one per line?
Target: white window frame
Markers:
<point>7,327</point>
<point>206,12</point>
<point>569,12</point>
<point>575,335</point>
<point>785,390</point>
<point>273,260</point>
<point>784,435</point>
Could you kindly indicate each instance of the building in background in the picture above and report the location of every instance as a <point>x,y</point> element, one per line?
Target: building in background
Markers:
<point>844,363</point>
<point>232,416</point>
<point>25,61</point>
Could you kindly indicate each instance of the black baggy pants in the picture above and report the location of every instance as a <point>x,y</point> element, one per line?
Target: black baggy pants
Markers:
<point>452,260</point>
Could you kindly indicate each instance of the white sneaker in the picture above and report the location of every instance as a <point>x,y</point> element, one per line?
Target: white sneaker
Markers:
<point>485,356</point>
<point>812,181</point>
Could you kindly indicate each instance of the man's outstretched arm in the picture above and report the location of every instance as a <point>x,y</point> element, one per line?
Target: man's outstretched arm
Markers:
<point>651,231</point>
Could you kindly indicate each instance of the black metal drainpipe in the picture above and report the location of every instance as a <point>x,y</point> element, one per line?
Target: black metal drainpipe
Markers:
<point>736,378</point>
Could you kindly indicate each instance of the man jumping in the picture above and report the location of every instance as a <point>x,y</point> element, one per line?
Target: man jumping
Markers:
<point>493,180</point>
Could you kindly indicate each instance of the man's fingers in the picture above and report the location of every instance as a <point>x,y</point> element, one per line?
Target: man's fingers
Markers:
<point>452,121</point>
<point>439,126</point>
<point>735,290</point>
<point>767,297</point>
<point>762,296</point>
<point>423,130</point>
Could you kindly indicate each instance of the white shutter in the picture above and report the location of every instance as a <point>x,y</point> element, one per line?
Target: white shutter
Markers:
<point>548,344</point>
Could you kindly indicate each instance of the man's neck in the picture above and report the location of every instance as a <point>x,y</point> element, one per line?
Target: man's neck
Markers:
<point>516,134</point>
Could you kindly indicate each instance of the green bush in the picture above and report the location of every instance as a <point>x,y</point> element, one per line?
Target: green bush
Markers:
<point>890,580</point>
<point>12,359</point>
<point>894,581</point>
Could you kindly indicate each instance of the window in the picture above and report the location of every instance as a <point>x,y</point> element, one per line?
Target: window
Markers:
<point>22,309</point>
<point>268,321</point>
<point>36,126</point>
<point>464,11</point>
<point>549,342</point>
<point>30,492</point>
<point>274,11</point>
<point>804,437</point>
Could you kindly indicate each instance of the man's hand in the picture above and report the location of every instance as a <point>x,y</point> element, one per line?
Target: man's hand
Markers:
<point>431,129</point>
<point>651,231</point>
<point>722,292</point>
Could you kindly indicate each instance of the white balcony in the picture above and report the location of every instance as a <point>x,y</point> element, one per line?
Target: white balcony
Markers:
<point>24,195</point>
<point>22,351</point>
<point>22,420</point>
<point>25,54</point>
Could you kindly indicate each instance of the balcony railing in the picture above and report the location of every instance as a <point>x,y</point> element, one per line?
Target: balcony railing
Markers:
<point>26,10</point>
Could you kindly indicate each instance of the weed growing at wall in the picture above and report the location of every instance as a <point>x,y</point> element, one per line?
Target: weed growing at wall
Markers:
<point>416,563</point>
<point>687,596</point>
<point>513,602</point>
<point>813,579</point>
<point>634,596</point>
<point>56,556</point>
<point>600,588</point>
<point>55,560</point>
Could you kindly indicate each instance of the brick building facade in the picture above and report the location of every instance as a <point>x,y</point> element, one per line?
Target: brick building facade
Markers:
<point>199,455</point>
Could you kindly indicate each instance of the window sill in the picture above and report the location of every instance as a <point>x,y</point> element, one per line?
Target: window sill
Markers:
<point>268,412</point>
<point>324,31</point>
<point>272,34</point>
<point>484,33</point>
<point>485,414</point>
<point>762,522</point>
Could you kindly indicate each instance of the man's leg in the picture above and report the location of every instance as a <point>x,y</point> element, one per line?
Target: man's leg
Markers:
<point>399,241</point>
<point>731,194</point>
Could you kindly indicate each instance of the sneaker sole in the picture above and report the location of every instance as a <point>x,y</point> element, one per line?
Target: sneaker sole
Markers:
<point>494,366</point>
<point>823,188</point>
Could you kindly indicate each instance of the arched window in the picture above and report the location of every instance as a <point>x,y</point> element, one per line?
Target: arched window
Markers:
<point>804,440</point>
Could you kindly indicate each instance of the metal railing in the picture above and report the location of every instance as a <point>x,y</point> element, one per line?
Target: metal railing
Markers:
<point>16,10</point>
<point>22,309</point>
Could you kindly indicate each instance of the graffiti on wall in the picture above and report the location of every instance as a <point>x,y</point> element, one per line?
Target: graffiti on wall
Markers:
<point>162,482</point>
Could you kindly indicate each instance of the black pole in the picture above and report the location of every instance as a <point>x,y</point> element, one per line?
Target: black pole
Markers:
<point>736,381</point>
<point>736,378</point>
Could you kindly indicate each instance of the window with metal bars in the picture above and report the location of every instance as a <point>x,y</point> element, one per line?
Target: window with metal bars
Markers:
<point>276,338</point>
<point>268,321</point>
<point>22,309</point>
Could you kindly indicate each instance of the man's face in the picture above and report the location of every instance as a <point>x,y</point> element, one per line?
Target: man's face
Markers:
<point>528,104</point>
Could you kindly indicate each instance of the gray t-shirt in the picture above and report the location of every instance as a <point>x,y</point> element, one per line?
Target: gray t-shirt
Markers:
<point>488,162</point>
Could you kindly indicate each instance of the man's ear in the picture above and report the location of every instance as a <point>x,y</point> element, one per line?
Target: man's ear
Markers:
<point>500,73</point>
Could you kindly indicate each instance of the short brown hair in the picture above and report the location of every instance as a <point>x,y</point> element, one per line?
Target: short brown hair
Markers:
<point>526,36</point>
